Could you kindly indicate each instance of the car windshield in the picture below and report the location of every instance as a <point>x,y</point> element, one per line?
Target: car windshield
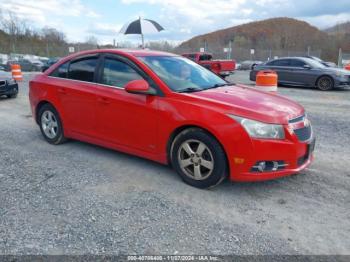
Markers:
<point>316,59</point>
<point>315,64</point>
<point>181,74</point>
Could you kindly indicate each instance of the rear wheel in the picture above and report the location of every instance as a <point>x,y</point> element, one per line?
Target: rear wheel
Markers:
<point>325,83</point>
<point>198,158</point>
<point>51,125</point>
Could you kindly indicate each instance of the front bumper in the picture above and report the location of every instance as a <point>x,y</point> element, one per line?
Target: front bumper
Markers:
<point>295,154</point>
<point>342,81</point>
<point>9,89</point>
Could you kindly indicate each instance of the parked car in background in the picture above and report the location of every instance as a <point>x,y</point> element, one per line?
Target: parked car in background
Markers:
<point>8,86</point>
<point>249,64</point>
<point>222,68</point>
<point>327,64</point>
<point>302,71</point>
<point>38,64</point>
<point>26,65</point>
<point>49,63</point>
<point>169,109</point>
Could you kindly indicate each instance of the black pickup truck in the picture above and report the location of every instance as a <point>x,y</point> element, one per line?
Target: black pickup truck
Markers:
<point>8,86</point>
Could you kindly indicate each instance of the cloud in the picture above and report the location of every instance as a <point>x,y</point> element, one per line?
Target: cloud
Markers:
<point>326,21</point>
<point>189,18</point>
<point>182,19</point>
<point>104,29</point>
<point>41,11</point>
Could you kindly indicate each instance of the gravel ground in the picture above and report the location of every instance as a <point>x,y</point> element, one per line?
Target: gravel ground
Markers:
<point>79,198</point>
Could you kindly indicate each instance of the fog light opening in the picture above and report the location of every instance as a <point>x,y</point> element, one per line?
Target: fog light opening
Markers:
<point>268,166</point>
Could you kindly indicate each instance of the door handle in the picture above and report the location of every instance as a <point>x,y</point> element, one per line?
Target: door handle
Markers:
<point>62,91</point>
<point>103,100</point>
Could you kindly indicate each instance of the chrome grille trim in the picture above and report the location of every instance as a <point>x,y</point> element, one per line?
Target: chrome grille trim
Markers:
<point>297,119</point>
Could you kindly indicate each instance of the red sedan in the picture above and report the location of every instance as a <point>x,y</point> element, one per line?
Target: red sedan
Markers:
<point>168,109</point>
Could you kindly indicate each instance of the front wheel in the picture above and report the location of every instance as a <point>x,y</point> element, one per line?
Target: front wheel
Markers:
<point>325,83</point>
<point>51,125</point>
<point>198,158</point>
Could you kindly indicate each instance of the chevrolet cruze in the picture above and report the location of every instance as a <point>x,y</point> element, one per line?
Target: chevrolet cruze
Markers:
<point>168,109</point>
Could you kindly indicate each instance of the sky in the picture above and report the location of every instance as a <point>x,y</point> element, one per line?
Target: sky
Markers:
<point>103,19</point>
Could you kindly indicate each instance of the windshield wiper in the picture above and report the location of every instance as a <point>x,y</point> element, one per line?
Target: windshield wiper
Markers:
<point>189,90</point>
<point>220,85</point>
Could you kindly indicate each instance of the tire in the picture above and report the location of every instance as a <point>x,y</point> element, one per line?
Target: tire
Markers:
<point>12,96</point>
<point>51,125</point>
<point>198,158</point>
<point>325,83</point>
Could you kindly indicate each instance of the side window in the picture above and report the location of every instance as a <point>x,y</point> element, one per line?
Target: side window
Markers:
<point>282,62</point>
<point>204,57</point>
<point>83,69</point>
<point>61,71</point>
<point>117,73</point>
<point>297,63</point>
<point>192,57</point>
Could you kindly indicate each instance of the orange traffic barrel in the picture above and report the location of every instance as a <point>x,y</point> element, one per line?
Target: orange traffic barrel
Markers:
<point>266,81</point>
<point>16,72</point>
<point>347,67</point>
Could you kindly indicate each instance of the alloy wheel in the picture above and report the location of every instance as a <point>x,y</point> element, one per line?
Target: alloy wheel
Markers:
<point>49,124</point>
<point>325,83</point>
<point>195,159</point>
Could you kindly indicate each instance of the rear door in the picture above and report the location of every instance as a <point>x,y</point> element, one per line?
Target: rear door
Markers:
<point>76,92</point>
<point>282,68</point>
<point>126,119</point>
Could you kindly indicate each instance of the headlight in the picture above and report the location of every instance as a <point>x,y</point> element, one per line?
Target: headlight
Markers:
<point>341,75</point>
<point>260,130</point>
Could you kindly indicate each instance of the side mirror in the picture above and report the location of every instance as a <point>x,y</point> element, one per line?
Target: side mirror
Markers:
<point>139,87</point>
<point>307,67</point>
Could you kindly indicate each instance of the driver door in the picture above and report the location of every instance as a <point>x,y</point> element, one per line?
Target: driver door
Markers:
<point>123,118</point>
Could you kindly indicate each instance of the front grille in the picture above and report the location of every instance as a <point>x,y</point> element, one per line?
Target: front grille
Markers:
<point>309,150</point>
<point>304,133</point>
<point>302,160</point>
<point>301,127</point>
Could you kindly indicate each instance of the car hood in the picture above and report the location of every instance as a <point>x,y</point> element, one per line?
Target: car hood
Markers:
<point>251,103</point>
<point>5,75</point>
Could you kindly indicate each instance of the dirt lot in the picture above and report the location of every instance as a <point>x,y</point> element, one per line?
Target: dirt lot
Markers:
<point>78,198</point>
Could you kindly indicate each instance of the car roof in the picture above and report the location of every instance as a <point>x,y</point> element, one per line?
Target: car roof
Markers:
<point>132,52</point>
<point>292,57</point>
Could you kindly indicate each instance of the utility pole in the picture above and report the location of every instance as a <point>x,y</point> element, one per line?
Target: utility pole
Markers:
<point>47,48</point>
<point>229,49</point>
<point>340,58</point>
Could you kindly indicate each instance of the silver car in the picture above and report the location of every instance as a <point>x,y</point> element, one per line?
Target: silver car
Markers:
<point>249,64</point>
<point>301,71</point>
